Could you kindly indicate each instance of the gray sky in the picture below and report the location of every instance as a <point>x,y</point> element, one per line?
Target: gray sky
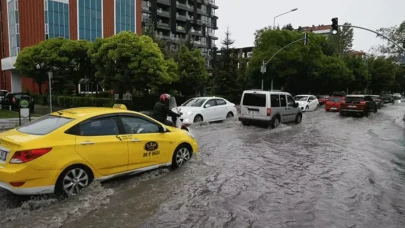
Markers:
<point>244,17</point>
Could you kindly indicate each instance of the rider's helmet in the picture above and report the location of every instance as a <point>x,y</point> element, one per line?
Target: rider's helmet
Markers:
<point>164,98</point>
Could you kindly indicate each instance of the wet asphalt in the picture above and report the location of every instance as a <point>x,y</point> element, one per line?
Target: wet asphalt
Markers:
<point>328,171</point>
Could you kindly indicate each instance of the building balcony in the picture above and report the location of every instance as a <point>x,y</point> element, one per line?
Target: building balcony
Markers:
<point>181,29</point>
<point>164,2</point>
<point>212,3</point>
<point>181,17</point>
<point>146,9</point>
<point>162,25</point>
<point>195,32</point>
<point>164,37</point>
<point>212,35</point>
<point>200,11</point>
<point>184,6</point>
<point>163,13</point>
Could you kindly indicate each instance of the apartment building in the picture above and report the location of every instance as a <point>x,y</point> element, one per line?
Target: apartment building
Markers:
<point>173,19</point>
<point>25,23</point>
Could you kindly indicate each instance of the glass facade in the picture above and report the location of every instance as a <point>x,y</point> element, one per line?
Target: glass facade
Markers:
<point>13,27</point>
<point>56,19</point>
<point>90,19</point>
<point>124,15</point>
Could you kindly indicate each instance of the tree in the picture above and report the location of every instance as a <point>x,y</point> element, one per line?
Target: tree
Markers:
<point>359,68</point>
<point>192,71</point>
<point>383,72</point>
<point>129,61</point>
<point>288,27</point>
<point>225,72</point>
<point>77,60</point>
<point>342,43</point>
<point>397,34</point>
<point>36,61</point>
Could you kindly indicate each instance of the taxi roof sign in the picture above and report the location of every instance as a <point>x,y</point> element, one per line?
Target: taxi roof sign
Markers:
<point>120,106</point>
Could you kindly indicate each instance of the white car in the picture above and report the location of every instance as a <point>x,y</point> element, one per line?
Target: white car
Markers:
<point>307,102</point>
<point>206,109</point>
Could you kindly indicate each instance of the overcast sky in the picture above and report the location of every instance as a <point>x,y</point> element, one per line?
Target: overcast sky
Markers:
<point>244,17</point>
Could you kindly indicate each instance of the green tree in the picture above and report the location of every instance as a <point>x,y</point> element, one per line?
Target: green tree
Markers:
<point>76,60</point>
<point>359,69</point>
<point>36,61</point>
<point>342,43</point>
<point>129,61</point>
<point>396,33</point>
<point>383,73</point>
<point>288,27</point>
<point>193,74</point>
<point>225,72</point>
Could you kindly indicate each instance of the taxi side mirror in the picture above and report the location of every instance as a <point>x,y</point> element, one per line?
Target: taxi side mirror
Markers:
<point>162,129</point>
<point>207,106</point>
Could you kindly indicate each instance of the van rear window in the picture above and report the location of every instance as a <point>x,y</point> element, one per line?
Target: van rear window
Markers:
<point>254,99</point>
<point>44,125</point>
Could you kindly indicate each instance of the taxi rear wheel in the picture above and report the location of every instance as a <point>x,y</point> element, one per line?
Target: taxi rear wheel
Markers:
<point>73,179</point>
<point>181,155</point>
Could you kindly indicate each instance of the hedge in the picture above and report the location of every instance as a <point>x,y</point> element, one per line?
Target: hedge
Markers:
<point>137,104</point>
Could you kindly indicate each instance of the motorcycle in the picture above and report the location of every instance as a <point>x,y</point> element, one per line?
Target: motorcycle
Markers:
<point>177,122</point>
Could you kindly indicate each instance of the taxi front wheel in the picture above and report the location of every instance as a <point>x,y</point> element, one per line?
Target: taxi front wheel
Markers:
<point>181,155</point>
<point>73,179</point>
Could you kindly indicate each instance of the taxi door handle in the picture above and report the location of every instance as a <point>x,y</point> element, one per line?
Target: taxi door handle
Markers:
<point>136,140</point>
<point>87,143</point>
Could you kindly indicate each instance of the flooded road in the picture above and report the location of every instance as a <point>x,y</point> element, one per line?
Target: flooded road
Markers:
<point>327,171</point>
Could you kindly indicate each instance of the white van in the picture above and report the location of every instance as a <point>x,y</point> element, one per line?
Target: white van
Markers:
<point>269,108</point>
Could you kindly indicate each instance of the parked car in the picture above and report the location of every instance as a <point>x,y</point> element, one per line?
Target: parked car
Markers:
<point>333,104</point>
<point>378,100</point>
<point>397,96</point>
<point>208,109</point>
<point>307,102</point>
<point>358,104</point>
<point>3,93</point>
<point>387,98</point>
<point>269,108</point>
<point>65,150</point>
<point>322,99</point>
<point>12,101</point>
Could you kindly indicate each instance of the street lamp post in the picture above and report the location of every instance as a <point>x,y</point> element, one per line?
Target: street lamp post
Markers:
<point>274,20</point>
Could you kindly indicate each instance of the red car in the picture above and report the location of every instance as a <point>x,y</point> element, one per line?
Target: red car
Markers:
<point>333,104</point>
<point>322,99</point>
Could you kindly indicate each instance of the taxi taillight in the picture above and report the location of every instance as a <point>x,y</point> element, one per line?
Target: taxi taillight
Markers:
<point>28,155</point>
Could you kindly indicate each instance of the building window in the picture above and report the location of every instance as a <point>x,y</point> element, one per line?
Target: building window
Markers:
<point>13,27</point>
<point>56,19</point>
<point>90,19</point>
<point>124,15</point>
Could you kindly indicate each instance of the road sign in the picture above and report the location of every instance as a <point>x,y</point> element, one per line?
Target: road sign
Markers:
<point>263,69</point>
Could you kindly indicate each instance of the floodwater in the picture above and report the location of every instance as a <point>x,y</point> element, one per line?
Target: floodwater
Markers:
<point>328,171</point>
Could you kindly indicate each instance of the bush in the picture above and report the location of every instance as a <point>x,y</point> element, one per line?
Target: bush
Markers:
<point>71,102</point>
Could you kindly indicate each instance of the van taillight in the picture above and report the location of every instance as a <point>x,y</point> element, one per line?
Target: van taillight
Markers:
<point>362,102</point>
<point>268,111</point>
<point>28,155</point>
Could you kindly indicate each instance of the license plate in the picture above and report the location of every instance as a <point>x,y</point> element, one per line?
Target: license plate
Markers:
<point>352,106</point>
<point>3,155</point>
<point>253,112</point>
<point>333,108</point>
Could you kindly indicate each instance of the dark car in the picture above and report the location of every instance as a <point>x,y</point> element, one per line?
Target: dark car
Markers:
<point>387,98</point>
<point>3,94</point>
<point>378,100</point>
<point>322,99</point>
<point>358,104</point>
<point>12,101</point>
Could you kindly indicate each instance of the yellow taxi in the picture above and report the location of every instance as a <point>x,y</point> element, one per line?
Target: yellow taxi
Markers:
<point>66,150</point>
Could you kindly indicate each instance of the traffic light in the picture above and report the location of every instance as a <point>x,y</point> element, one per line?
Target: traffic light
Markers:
<point>335,26</point>
<point>305,39</point>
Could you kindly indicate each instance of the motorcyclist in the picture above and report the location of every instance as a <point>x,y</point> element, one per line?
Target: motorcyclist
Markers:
<point>161,110</point>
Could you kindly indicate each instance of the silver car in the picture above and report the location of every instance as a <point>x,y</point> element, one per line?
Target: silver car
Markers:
<point>269,108</point>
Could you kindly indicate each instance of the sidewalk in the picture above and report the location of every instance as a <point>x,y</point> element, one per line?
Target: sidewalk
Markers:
<point>10,123</point>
